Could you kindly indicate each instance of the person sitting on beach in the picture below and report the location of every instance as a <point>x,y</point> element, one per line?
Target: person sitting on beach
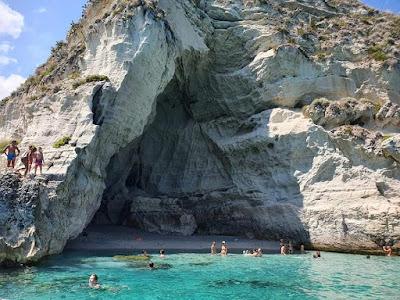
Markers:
<point>162,253</point>
<point>39,160</point>
<point>145,254</point>
<point>93,284</point>
<point>317,254</point>
<point>213,248</point>
<point>12,151</point>
<point>387,250</point>
<point>224,248</point>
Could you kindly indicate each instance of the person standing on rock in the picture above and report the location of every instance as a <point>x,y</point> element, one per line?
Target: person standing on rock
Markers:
<point>12,152</point>
<point>27,159</point>
<point>39,160</point>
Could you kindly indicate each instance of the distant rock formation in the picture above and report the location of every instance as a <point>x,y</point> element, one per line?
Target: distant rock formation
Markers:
<point>270,119</point>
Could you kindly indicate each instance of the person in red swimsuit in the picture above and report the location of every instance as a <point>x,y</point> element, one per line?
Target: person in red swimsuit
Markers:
<point>39,160</point>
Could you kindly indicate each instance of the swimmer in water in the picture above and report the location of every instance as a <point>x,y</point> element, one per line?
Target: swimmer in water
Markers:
<point>387,250</point>
<point>257,252</point>
<point>144,253</point>
<point>151,265</point>
<point>93,284</point>
<point>224,249</point>
<point>213,248</point>
<point>317,254</point>
<point>283,249</point>
<point>162,253</point>
<point>291,251</point>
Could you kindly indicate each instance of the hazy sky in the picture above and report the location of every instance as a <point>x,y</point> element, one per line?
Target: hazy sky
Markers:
<point>29,28</point>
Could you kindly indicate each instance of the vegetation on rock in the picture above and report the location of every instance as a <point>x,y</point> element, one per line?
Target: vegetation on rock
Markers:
<point>61,142</point>
<point>377,53</point>
<point>90,78</point>
<point>4,144</point>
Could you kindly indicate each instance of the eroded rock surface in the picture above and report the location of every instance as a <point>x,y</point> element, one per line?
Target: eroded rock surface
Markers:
<point>191,117</point>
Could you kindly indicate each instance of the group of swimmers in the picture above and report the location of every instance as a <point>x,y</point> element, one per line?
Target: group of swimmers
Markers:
<point>31,156</point>
<point>224,248</point>
<point>254,252</point>
<point>285,249</point>
<point>94,279</point>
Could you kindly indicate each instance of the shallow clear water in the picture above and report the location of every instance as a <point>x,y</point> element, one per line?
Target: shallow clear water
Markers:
<point>202,276</point>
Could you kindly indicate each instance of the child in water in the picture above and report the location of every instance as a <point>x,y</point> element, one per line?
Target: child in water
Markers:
<point>39,160</point>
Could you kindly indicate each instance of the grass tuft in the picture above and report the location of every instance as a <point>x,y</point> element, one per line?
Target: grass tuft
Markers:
<point>4,144</point>
<point>61,142</point>
<point>90,78</point>
<point>377,53</point>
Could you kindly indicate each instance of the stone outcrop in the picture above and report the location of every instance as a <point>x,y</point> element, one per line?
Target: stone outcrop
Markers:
<point>186,117</point>
<point>348,111</point>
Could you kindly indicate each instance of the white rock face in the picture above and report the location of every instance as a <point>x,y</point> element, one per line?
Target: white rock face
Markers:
<point>199,130</point>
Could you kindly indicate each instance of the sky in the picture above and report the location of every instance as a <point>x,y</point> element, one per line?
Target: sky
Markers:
<point>29,28</point>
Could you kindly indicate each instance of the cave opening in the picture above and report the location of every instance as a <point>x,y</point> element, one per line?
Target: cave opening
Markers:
<point>188,173</point>
<point>159,180</point>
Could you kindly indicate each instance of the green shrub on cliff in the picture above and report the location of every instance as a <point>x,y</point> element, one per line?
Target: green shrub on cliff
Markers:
<point>61,142</point>
<point>90,78</point>
<point>386,137</point>
<point>3,145</point>
<point>395,28</point>
<point>377,53</point>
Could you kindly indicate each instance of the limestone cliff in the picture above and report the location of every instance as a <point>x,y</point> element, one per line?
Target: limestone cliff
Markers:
<point>271,119</point>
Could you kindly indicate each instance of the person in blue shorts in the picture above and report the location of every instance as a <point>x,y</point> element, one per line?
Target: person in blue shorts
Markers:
<point>12,152</point>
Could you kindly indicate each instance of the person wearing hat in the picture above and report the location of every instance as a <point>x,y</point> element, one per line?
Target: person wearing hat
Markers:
<point>224,248</point>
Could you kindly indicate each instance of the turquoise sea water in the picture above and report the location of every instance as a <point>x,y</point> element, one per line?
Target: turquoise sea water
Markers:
<point>202,276</point>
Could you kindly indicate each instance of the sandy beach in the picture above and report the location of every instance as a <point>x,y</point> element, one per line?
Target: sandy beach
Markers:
<point>109,237</point>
